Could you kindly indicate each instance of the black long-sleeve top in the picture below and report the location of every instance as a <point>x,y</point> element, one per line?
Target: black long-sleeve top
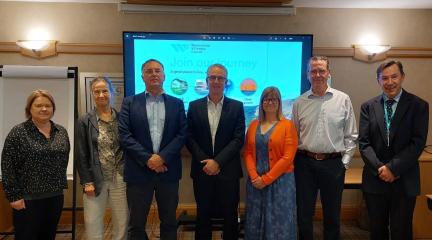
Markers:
<point>33,165</point>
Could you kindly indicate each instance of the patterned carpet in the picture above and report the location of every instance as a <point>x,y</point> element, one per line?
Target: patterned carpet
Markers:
<point>349,231</point>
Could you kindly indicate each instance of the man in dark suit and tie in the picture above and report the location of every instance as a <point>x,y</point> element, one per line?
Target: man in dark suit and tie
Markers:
<point>152,129</point>
<point>393,132</point>
<point>216,127</point>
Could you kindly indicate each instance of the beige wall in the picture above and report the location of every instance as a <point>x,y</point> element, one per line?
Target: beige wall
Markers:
<point>102,23</point>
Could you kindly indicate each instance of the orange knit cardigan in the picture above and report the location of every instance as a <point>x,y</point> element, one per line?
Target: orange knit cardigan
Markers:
<point>282,147</point>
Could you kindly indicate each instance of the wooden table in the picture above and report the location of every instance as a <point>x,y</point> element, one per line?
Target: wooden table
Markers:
<point>429,201</point>
<point>422,215</point>
<point>353,178</point>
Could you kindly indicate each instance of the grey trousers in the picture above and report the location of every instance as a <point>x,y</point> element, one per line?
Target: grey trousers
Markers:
<point>114,194</point>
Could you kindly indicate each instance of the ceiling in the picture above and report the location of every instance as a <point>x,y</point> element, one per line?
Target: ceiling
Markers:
<point>400,4</point>
<point>419,4</point>
<point>255,3</point>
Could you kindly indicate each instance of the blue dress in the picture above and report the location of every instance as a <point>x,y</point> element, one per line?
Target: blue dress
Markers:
<point>271,212</point>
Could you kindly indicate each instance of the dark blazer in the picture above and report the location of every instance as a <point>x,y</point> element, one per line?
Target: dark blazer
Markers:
<point>86,151</point>
<point>136,141</point>
<point>228,141</point>
<point>408,133</point>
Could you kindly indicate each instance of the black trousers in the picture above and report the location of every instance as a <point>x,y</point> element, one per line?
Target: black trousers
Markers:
<point>216,197</point>
<point>328,177</point>
<point>38,221</point>
<point>140,197</point>
<point>391,212</point>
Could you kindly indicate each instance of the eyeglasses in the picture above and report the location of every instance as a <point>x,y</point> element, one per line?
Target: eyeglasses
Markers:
<point>270,100</point>
<point>213,78</point>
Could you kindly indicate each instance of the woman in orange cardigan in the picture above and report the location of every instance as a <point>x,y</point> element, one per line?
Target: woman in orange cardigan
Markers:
<point>271,144</point>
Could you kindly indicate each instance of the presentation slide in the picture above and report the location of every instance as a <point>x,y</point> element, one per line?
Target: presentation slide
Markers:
<point>254,62</point>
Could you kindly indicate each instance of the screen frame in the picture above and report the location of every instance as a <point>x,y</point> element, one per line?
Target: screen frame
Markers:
<point>129,84</point>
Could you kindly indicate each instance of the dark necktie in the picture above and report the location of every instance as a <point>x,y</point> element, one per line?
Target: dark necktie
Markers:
<point>389,103</point>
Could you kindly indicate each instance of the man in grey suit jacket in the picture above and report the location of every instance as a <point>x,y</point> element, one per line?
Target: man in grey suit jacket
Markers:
<point>393,132</point>
<point>216,128</point>
<point>152,129</point>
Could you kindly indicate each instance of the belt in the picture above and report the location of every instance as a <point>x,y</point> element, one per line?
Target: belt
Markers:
<point>320,156</point>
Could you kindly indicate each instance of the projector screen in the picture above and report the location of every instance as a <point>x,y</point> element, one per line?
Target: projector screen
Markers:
<point>254,62</point>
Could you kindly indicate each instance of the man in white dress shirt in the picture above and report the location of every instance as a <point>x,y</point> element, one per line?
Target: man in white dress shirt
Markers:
<point>326,126</point>
<point>216,128</point>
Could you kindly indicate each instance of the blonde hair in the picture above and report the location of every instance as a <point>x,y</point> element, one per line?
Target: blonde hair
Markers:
<point>32,97</point>
<point>266,92</point>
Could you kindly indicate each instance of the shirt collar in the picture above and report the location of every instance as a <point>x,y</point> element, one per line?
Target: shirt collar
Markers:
<point>396,98</point>
<point>329,90</point>
<point>113,115</point>
<point>32,125</point>
<point>148,94</point>
<point>219,103</point>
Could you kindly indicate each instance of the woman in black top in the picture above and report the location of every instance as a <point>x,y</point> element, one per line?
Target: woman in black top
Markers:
<point>34,161</point>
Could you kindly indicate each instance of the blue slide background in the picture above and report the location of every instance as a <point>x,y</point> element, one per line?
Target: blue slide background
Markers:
<point>267,63</point>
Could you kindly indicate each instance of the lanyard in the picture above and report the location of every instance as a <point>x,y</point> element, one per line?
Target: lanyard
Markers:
<point>388,122</point>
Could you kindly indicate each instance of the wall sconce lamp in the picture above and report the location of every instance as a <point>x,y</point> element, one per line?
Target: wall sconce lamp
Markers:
<point>370,52</point>
<point>38,48</point>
